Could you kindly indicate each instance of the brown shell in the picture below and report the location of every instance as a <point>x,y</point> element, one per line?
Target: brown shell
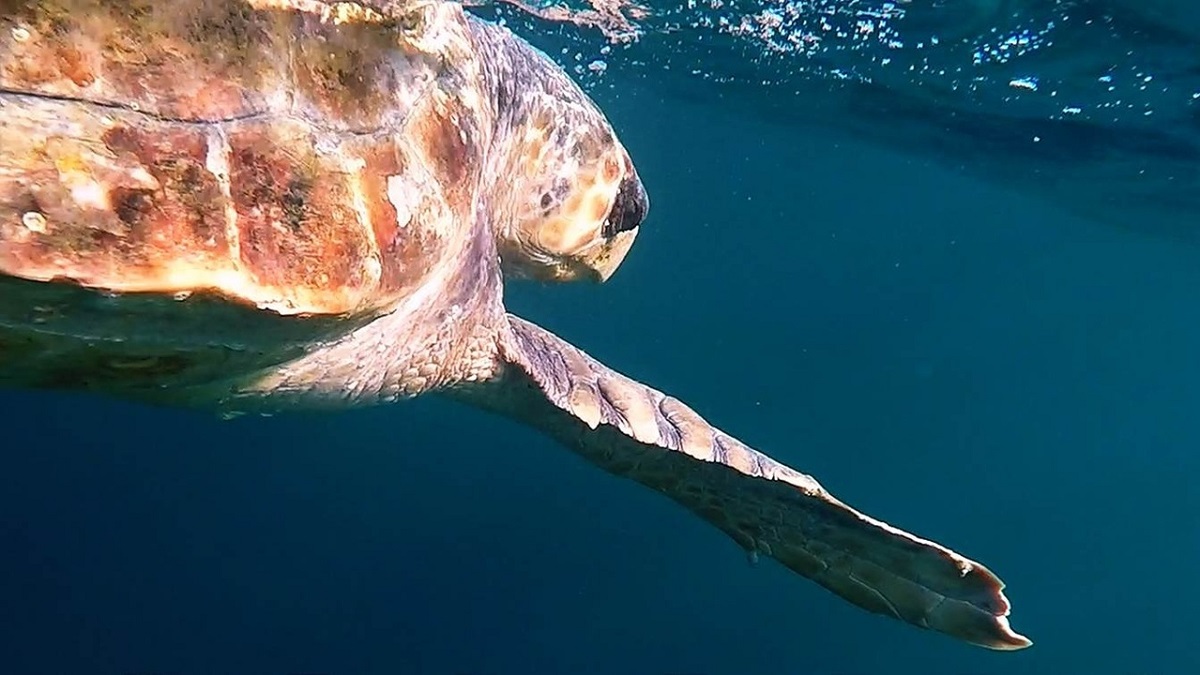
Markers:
<point>301,156</point>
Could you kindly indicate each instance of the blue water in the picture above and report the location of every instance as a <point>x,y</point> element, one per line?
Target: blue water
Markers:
<point>942,343</point>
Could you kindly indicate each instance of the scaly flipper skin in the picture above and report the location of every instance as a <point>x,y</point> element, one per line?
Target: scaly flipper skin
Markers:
<point>631,430</point>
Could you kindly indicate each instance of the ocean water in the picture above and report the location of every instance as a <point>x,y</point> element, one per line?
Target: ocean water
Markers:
<point>982,342</point>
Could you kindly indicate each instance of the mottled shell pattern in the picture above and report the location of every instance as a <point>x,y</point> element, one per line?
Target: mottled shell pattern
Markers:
<point>233,145</point>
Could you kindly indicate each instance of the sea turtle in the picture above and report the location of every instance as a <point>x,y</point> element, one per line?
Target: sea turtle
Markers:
<point>262,205</point>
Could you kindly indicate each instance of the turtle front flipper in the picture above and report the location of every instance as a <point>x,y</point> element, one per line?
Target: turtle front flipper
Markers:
<point>634,431</point>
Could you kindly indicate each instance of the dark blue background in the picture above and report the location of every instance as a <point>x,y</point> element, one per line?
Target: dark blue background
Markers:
<point>959,360</point>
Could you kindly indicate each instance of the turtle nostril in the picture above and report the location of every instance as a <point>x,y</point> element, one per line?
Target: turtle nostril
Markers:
<point>629,208</point>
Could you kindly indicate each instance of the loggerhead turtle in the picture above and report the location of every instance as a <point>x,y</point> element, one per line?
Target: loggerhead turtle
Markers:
<point>261,205</point>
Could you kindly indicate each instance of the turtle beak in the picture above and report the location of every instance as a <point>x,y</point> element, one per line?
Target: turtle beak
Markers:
<point>625,217</point>
<point>607,242</point>
<point>629,208</point>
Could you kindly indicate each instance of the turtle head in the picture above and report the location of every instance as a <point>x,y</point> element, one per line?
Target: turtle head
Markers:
<point>579,204</point>
<point>573,201</point>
